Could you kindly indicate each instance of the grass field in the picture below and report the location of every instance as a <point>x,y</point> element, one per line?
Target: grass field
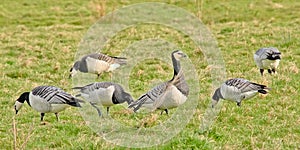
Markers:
<point>39,41</point>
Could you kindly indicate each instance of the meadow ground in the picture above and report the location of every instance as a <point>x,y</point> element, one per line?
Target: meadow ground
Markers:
<point>39,40</point>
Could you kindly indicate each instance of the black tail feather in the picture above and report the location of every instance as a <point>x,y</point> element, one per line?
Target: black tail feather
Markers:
<point>137,104</point>
<point>262,91</point>
<point>75,104</point>
<point>77,88</point>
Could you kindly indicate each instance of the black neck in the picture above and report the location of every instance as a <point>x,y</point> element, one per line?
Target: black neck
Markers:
<point>23,97</point>
<point>217,95</point>
<point>121,98</point>
<point>176,65</point>
<point>115,99</point>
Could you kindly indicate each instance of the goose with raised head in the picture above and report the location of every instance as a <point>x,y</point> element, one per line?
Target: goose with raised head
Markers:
<point>169,94</point>
<point>267,58</point>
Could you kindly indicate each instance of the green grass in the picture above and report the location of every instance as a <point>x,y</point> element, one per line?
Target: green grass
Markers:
<point>39,41</point>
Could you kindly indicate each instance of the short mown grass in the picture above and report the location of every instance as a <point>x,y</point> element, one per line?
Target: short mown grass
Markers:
<point>39,41</point>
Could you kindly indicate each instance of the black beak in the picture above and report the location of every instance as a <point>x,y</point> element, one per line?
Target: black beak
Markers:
<point>17,111</point>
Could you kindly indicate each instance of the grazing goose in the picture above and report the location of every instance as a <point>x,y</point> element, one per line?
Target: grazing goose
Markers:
<point>267,58</point>
<point>97,63</point>
<point>169,94</point>
<point>105,93</point>
<point>47,99</point>
<point>238,89</point>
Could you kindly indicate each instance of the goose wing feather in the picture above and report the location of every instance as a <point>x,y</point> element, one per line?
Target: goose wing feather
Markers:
<point>150,97</point>
<point>54,95</point>
<point>244,85</point>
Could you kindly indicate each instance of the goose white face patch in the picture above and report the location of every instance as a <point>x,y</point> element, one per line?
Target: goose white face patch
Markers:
<point>177,56</point>
<point>73,72</point>
<point>18,105</point>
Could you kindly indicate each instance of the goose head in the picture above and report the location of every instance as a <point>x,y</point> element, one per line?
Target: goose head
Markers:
<point>20,101</point>
<point>128,98</point>
<point>178,54</point>
<point>216,97</point>
<point>74,69</point>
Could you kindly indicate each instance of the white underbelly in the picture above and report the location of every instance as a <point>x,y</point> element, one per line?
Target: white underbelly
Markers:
<point>39,104</point>
<point>233,94</point>
<point>276,63</point>
<point>106,100</point>
<point>43,106</point>
<point>101,96</point>
<point>58,107</point>
<point>230,93</point>
<point>113,67</point>
<point>267,64</point>
<point>173,98</point>
<point>249,94</point>
<point>96,66</point>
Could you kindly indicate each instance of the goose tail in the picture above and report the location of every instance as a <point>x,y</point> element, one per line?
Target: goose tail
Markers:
<point>263,89</point>
<point>136,105</point>
<point>121,60</point>
<point>76,102</point>
<point>77,88</point>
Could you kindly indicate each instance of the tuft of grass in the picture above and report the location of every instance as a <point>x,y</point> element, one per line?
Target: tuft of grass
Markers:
<point>39,41</point>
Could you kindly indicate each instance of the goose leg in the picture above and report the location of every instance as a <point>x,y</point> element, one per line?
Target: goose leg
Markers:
<point>166,110</point>
<point>261,72</point>
<point>107,110</point>
<point>273,70</point>
<point>269,70</point>
<point>56,114</point>
<point>98,75</point>
<point>42,116</point>
<point>98,110</point>
<point>110,75</point>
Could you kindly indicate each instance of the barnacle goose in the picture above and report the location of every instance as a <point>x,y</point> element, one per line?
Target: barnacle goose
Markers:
<point>267,58</point>
<point>104,93</point>
<point>169,94</point>
<point>47,99</point>
<point>238,89</point>
<point>97,63</point>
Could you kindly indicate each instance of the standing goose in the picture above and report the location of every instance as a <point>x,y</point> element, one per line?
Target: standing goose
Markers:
<point>238,89</point>
<point>267,58</point>
<point>169,94</point>
<point>97,63</point>
<point>47,99</point>
<point>105,93</point>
